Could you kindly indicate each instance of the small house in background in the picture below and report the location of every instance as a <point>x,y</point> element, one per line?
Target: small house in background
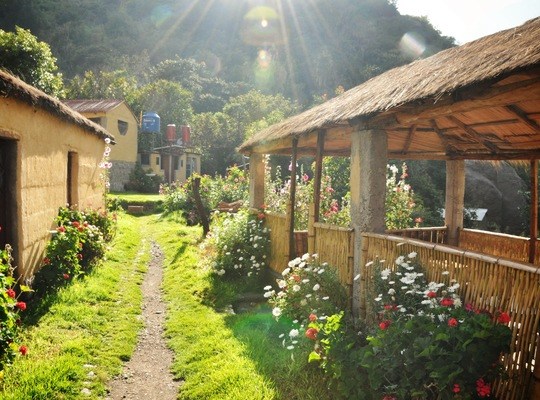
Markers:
<point>49,157</point>
<point>118,119</point>
<point>173,157</point>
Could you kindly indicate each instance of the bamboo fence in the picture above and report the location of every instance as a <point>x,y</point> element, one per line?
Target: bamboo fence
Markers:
<point>436,234</point>
<point>334,245</point>
<point>499,244</point>
<point>279,241</point>
<point>486,282</point>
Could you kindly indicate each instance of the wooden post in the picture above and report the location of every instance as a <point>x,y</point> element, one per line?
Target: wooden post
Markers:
<point>314,209</point>
<point>534,211</point>
<point>536,373</point>
<point>455,194</point>
<point>256,180</point>
<point>368,191</point>
<point>200,207</point>
<point>292,200</point>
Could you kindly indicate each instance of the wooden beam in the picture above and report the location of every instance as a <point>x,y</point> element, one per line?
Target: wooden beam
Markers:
<point>473,134</point>
<point>318,174</point>
<point>534,211</point>
<point>523,117</point>
<point>292,199</point>
<point>448,147</point>
<point>410,137</point>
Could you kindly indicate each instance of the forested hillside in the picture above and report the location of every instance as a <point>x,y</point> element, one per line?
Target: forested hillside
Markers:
<point>300,49</point>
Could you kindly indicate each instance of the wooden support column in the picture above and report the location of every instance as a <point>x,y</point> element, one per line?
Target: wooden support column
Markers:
<point>455,194</point>
<point>534,211</point>
<point>292,200</point>
<point>536,373</point>
<point>314,209</point>
<point>368,190</point>
<point>256,180</point>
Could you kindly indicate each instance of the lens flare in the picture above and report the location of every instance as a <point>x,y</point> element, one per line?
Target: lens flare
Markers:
<point>412,45</point>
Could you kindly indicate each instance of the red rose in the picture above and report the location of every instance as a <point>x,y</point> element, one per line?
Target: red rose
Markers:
<point>23,350</point>
<point>482,388</point>
<point>311,333</point>
<point>21,305</point>
<point>456,388</point>
<point>503,318</point>
<point>452,322</point>
<point>447,302</point>
<point>385,324</point>
<point>312,317</point>
<point>11,293</point>
<point>431,294</point>
<point>66,276</point>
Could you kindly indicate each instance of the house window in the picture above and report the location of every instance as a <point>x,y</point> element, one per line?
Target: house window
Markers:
<point>158,162</point>
<point>97,120</point>
<point>145,159</point>
<point>122,127</point>
<point>72,179</point>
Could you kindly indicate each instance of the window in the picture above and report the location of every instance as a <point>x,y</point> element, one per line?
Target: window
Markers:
<point>72,179</point>
<point>97,120</point>
<point>158,162</point>
<point>145,159</point>
<point>122,127</point>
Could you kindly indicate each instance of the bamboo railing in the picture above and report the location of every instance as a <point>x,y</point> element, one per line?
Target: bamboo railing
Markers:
<point>334,245</point>
<point>279,241</point>
<point>486,282</point>
<point>437,234</point>
<point>499,244</point>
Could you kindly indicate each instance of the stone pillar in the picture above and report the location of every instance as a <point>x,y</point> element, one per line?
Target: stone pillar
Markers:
<point>455,193</point>
<point>368,191</point>
<point>256,180</point>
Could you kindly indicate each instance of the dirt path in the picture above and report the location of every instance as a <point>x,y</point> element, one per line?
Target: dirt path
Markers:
<point>147,375</point>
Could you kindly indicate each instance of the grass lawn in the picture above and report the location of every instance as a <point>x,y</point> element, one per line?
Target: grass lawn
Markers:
<point>78,337</point>
<point>132,197</point>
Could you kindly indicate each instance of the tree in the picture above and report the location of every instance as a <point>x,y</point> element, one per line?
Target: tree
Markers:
<point>22,55</point>
<point>102,85</point>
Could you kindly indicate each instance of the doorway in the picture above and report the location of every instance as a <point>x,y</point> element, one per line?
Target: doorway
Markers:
<point>8,174</point>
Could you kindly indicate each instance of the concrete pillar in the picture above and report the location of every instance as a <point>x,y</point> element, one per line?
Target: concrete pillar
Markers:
<point>368,190</point>
<point>256,180</point>
<point>455,194</point>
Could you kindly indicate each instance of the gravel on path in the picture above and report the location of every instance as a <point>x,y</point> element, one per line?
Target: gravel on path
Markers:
<point>147,375</point>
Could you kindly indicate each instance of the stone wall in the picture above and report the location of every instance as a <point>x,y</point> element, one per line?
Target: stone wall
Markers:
<point>119,174</point>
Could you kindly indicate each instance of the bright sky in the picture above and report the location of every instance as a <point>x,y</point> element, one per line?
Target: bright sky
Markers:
<point>467,20</point>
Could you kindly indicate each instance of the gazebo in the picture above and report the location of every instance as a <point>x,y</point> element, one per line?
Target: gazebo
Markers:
<point>478,101</point>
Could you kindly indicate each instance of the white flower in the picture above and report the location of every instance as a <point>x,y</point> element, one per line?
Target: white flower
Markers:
<point>316,287</point>
<point>325,297</point>
<point>369,264</point>
<point>293,333</point>
<point>303,302</point>
<point>308,295</point>
<point>400,260</point>
<point>392,291</point>
<point>255,245</point>
<point>457,302</point>
<point>305,280</point>
<point>385,273</point>
<point>320,271</point>
<point>281,283</point>
<point>276,311</point>
<point>445,272</point>
<point>281,336</point>
<point>291,347</point>
<point>305,257</point>
<point>412,254</point>
<point>296,288</point>
<point>286,271</point>
<point>357,277</point>
<point>425,302</point>
<point>269,294</point>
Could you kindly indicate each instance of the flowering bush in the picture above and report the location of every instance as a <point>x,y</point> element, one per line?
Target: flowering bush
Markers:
<point>241,244</point>
<point>427,345</point>
<point>76,245</point>
<point>10,308</point>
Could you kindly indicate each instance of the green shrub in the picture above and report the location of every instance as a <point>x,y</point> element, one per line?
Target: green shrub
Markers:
<point>142,181</point>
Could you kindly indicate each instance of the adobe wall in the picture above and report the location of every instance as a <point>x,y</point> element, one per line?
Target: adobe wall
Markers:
<point>43,144</point>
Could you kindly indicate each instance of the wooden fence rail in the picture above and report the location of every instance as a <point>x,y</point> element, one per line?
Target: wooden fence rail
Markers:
<point>487,282</point>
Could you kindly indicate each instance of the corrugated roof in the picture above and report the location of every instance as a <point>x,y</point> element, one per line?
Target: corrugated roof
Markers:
<point>11,86</point>
<point>93,106</point>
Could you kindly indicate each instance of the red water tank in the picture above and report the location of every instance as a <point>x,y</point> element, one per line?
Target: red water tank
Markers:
<point>171,133</point>
<point>186,134</point>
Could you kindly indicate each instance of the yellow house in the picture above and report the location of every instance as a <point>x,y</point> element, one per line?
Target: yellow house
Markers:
<point>118,119</point>
<point>49,157</point>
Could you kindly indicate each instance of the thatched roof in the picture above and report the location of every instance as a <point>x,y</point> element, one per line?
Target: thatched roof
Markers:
<point>10,86</point>
<point>93,106</point>
<point>445,78</point>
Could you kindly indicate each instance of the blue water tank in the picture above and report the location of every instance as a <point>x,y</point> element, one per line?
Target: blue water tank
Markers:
<point>150,122</point>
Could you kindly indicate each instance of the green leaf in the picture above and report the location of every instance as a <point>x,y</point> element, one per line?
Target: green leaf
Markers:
<point>314,356</point>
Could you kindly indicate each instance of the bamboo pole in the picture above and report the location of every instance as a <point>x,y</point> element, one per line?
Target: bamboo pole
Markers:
<point>534,211</point>
<point>292,199</point>
<point>314,208</point>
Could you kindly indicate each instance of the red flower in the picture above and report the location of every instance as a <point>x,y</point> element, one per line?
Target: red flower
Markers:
<point>21,305</point>
<point>503,318</point>
<point>66,276</point>
<point>311,333</point>
<point>296,278</point>
<point>482,388</point>
<point>431,294</point>
<point>389,397</point>
<point>23,350</point>
<point>76,224</point>
<point>447,302</point>
<point>261,215</point>
<point>61,229</point>
<point>79,256</point>
<point>11,293</point>
<point>456,388</point>
<point>46,261</point>
<point>385,324</point>
<point>312,317</point>
<point>452,322</point>
<point>418,220</point>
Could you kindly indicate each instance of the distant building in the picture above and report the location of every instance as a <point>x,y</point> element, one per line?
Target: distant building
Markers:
<point>118,119</point>
<point>49,157</point>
